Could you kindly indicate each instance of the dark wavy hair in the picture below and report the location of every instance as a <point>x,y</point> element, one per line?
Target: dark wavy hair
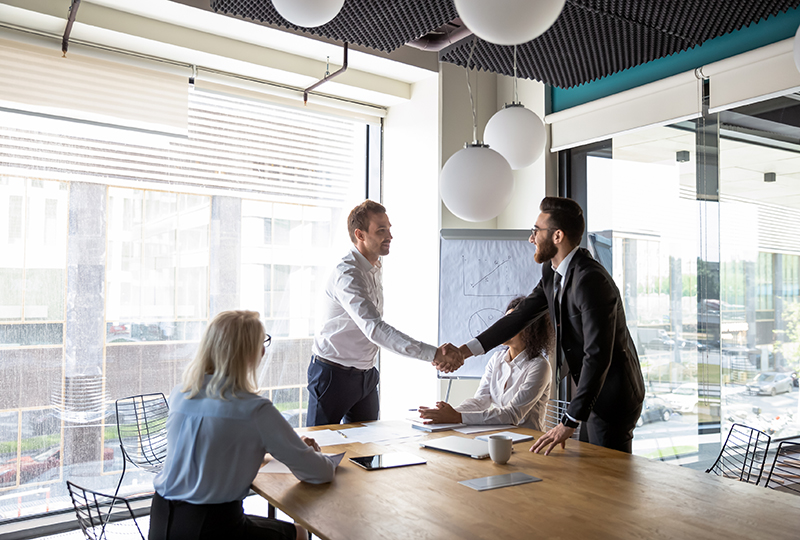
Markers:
<point>538,337</point>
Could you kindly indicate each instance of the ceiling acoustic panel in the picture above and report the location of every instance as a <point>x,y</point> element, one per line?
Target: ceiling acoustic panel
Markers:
<point>595,38</point>
<point>379,24</point>
<point>590,40</point>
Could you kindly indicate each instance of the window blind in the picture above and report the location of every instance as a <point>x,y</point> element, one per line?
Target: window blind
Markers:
<point>220,82</point>
<point>662,102</point>
<point>37,79</point>
<point>234,147</point>
<point>753,76</point>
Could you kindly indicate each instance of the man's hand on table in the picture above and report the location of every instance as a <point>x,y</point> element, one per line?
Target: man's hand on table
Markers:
<point>557,435</point>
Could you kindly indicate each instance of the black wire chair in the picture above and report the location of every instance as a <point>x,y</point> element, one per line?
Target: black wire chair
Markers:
<point>93,510</point>
<point>142,431</point>
<point>784,475</point>
<point>743,455</point>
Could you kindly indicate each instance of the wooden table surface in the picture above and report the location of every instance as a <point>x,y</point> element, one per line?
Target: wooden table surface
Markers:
<point>586,492</point>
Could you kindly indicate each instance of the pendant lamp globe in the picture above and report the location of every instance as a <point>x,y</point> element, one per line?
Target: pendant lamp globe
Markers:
<point>509,22</point>
<point>517,134</point>
<point>476,183</point>
<point>308,13</point>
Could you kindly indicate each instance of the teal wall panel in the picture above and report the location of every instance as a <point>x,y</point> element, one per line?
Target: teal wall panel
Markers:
<point>764,32</point>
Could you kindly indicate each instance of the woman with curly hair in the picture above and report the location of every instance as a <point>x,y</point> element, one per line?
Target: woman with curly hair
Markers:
<point>515,386</point>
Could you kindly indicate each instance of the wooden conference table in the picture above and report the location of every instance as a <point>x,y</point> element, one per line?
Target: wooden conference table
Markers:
<point>587,492</point>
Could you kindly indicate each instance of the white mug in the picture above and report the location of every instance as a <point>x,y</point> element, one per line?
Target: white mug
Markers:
<point>500,448</point>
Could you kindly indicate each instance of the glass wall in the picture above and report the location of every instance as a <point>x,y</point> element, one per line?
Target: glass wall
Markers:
<point>706,258</point>
<point>118,247</point>
<point>759,245</point>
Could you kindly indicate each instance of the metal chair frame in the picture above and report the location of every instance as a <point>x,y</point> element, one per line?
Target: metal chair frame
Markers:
<point>743,455</point>
<point>93,510</point>
<point>143,441</point>
<point>784,475</point>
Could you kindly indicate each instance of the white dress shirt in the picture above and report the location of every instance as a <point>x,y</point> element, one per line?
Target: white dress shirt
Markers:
<point>215,447</point>
<point>353,330</point>
<point>517,392</point>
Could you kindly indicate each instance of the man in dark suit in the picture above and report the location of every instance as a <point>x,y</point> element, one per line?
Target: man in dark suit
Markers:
<point>593,338</point>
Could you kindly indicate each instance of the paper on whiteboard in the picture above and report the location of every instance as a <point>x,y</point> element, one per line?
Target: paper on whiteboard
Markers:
<point>478,278</point>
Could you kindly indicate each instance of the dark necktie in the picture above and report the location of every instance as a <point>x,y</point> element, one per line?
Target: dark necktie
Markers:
<point>557,322</point>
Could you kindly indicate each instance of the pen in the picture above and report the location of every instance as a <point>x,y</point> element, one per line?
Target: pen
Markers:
<point>426,408</point>
<point>342,434</point>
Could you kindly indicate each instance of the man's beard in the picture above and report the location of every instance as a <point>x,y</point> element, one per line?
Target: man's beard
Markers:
<point>545,251</point>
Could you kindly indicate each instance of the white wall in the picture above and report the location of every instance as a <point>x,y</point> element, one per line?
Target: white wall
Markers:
<point>491,92</point>
<point>411,270</point>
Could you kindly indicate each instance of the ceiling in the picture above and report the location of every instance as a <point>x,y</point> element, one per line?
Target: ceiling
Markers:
<point>590,40</point>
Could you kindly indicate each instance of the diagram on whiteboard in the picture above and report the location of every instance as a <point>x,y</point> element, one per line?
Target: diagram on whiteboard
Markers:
<point>478,278</point>
<point>487,277</point>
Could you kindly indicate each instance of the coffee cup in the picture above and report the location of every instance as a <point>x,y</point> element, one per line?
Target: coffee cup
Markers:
<point>500,447</point>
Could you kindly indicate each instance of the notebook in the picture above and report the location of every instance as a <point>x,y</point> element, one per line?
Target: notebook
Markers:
<point>433,428</point>
<point>459,445</point>
<point>499,481</point>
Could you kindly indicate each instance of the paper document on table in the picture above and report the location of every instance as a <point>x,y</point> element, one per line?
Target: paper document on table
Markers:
<point>327,437</point>
<point>470,429</point>
<point>370,433</point>
<point>274,466</point>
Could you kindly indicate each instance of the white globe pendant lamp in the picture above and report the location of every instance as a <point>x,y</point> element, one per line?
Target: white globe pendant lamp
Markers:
<point>509,22</point>
<point>308,13</point>
<point>515,132</point>
<point>476,183</point>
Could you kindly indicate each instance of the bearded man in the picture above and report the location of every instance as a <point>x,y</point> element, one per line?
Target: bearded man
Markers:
<point>593,342</point>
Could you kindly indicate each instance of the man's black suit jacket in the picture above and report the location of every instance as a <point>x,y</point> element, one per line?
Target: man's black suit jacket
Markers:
<point>595,340</point>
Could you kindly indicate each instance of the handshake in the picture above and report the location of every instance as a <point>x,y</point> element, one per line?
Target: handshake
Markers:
<point>449,358</point>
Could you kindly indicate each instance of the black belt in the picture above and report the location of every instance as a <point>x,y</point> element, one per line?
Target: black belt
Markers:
<point>315,358</point>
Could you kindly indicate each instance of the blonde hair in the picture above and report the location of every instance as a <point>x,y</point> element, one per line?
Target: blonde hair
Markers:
<point>229,351</point>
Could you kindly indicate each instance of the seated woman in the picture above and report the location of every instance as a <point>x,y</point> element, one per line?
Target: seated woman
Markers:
<point>218,432</point>
<point>515,386</point>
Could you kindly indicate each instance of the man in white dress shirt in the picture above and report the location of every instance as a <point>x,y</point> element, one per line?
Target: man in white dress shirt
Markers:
<point>342,377</point>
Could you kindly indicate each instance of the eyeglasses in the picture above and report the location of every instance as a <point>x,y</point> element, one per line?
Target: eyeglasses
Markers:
<point>267,340</point>
<point>536,229</point>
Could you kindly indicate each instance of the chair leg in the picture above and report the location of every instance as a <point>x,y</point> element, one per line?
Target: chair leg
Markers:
<point>270,511</point>
<point>116,492</point>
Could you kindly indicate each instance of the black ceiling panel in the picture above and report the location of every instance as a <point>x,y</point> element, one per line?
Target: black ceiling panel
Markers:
<point>590,40</point>
<point>379,24</point>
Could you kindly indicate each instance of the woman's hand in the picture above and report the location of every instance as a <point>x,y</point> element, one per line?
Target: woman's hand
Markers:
<point>444,413</point>
<point>310,442</point>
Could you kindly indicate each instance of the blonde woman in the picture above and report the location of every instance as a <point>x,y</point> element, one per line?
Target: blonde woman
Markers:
<point>218,432</point>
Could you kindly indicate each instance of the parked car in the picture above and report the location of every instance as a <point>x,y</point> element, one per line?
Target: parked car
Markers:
<point>684,398</point>
<point>654,409</point>
<point>771,383</point>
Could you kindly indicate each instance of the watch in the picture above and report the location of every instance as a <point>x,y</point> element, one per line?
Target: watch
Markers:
<point>569,423</point>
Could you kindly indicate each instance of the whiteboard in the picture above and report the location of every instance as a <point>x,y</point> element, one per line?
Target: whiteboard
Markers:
<point>480,272</point>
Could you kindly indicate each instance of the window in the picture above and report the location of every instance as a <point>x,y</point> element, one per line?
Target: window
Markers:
<point>117,250</point>
<point>709,275</point>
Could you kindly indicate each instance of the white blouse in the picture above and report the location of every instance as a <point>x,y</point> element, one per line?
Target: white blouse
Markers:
<point>514,392</point>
